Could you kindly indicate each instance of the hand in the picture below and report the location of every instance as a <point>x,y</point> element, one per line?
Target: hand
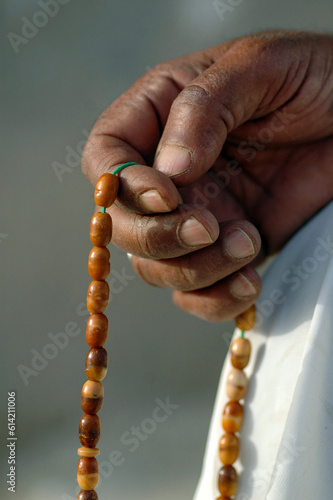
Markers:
<point>244,131</point>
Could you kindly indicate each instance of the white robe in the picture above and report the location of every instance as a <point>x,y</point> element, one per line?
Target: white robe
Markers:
<point>286,440</point>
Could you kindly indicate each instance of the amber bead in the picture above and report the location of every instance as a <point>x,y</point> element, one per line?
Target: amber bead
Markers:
<point>247,319</point>
<point>100,229</point>
<point>229,448</point>
<point>92,397</point>
<point>227,481</point>
<point>232,416</point>
<point>99,263</point>
<point>89,430</point>
<point>96,363</point>
<point>84,451</point>
<point>87,473</point>
<point>97,330</point>
<point>236,384</point>
<point>98,296</point>
<point>106,190</point>
<point>87,495</point>
<point>240,352</point>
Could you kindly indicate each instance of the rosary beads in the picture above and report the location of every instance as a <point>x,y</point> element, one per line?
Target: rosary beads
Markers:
<point>233,411</point>
<point>97,359</point>
<point>96,335</point>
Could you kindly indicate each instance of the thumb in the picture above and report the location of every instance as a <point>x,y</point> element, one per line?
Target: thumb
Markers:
<point>249,80</point>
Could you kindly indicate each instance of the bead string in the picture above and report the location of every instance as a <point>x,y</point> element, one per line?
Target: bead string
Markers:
<point>96,335</point>
<point>233,412</point>
<point>124,165</point>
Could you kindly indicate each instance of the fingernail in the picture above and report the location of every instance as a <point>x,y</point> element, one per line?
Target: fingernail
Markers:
<point>129,256</point>
<point>239,245</point>
<point>153,202</point>
<point>193,233</point>
<point>241,287</point>
<point>173,160</point>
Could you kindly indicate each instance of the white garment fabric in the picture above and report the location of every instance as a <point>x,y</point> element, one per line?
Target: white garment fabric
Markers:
<point>286,440</point>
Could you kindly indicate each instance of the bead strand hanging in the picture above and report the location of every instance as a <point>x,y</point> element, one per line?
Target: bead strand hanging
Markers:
<point>233,412</point>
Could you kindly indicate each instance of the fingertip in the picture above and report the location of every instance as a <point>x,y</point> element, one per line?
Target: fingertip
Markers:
<point>145,190</point>
<point>245,285</point>
<point>152,201</point>
<point>224,300</point>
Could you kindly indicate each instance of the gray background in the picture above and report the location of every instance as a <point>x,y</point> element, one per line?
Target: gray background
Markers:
<point>52,91</point>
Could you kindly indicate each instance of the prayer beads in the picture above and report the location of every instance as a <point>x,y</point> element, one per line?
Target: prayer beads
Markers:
<point>232,417</point>
<point>87,495</point>
<point>100,229</point>
<point>96,364</point>
<point>96,336</point>
<point>97,330</point>
<point>87,473</point>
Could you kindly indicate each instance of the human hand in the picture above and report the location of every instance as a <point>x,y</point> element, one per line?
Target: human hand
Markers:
<point>250,126</point>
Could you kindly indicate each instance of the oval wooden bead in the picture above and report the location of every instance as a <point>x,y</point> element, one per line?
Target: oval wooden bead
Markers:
<point>236,384</point>
<point>87,495</point>
<point>87,473</point>
<point>97,330</point>
<point>229,448</point>
<point>89,430</point>
<point>106,190</point>
<point>88,452</point>
<point>92,397</point>
<point>232,418</point>
<point>247,319</point>
<point>96,363</point>
<point>240,352</point>
<point>228,480</point>
<point>99,263</point>
<point>98,296</point>
<point>100,229</point>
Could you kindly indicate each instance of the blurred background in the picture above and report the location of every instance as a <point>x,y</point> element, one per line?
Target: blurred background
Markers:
<point>62,63</point>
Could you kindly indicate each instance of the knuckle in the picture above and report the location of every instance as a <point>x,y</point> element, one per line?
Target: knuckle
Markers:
<point>208,310</point>
<point>96,158</point>
<point>205,95</point>
<point>183,278</point>
<point>195,95</point>
<point>144,241</point>
<point>86,157</point>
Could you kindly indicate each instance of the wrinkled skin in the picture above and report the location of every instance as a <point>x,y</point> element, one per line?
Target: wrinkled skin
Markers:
<point>250,125</point>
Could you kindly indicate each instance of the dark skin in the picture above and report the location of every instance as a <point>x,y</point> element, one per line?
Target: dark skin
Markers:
<point>250,125</point>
